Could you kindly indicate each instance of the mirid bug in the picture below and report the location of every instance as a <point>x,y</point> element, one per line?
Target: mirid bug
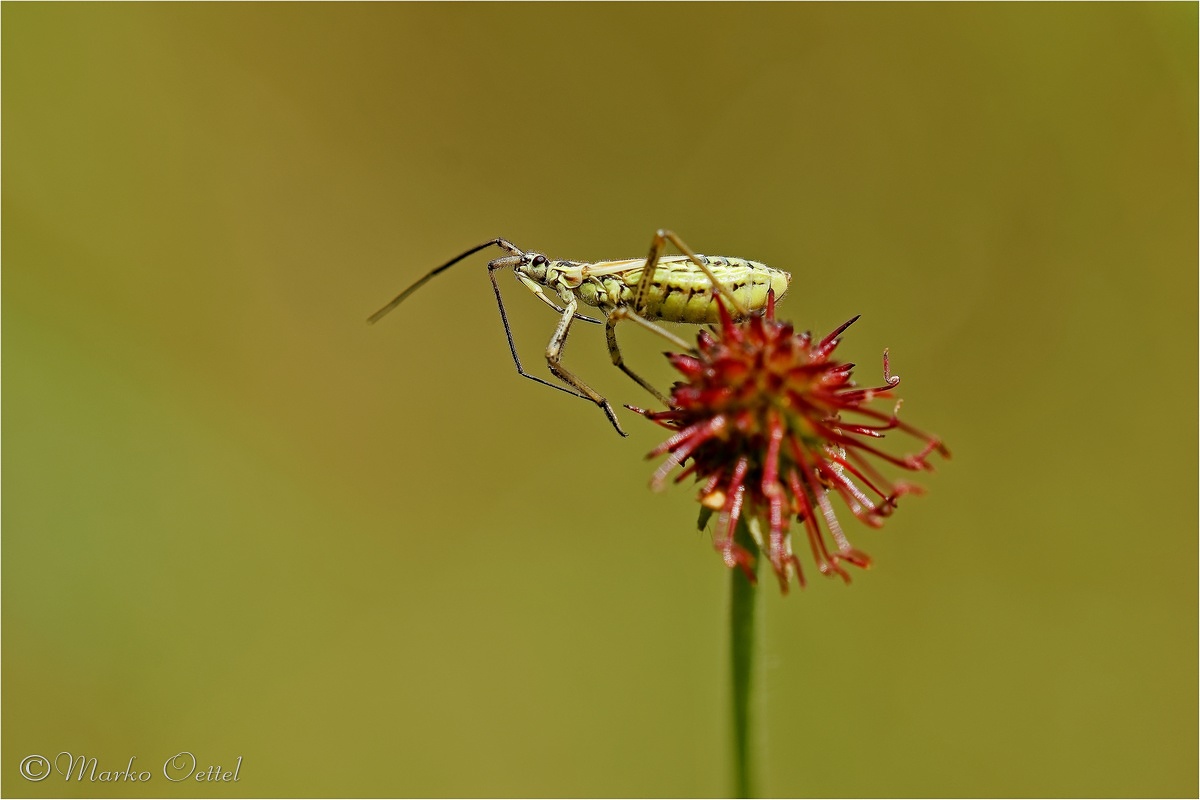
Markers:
<point>682,288</point>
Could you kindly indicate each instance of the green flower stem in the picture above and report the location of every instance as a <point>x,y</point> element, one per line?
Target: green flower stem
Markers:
<point>745,614</point>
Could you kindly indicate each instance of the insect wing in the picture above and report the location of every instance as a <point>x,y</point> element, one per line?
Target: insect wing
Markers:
<point>625,265</point>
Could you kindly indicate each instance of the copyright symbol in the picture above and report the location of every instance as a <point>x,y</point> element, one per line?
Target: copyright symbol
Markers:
<point>35,768</point>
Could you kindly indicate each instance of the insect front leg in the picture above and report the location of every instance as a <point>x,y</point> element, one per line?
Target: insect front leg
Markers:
<point>661,237</point>
<point>512,345</point>
<point>554,357</point>
<point>534,287</point>
<point>610,328</point>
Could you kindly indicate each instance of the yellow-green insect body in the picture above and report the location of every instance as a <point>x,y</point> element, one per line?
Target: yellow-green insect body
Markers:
<point>678,292</point>
<point>680,288</point>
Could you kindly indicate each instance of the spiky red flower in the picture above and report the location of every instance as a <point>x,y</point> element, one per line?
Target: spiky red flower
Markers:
<point>760,415</point>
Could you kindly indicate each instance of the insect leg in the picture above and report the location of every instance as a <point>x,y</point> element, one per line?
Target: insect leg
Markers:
<point>534,287</point>
<point>512,345</point>
<point>554,357</point>
<point>661,237</point>
<point>622,313</point>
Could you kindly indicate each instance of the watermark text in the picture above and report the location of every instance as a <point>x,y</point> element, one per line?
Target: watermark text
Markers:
<point>183,766</point>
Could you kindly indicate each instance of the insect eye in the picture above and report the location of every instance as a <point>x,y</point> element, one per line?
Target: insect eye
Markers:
<point>539,261</point>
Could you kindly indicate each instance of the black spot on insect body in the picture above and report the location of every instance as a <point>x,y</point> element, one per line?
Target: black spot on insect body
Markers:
<point>687,296</point>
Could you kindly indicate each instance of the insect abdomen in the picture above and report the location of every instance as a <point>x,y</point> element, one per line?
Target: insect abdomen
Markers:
<point>685,294</point>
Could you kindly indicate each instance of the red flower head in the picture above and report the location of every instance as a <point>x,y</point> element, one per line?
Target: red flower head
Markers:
<point>760,415</point>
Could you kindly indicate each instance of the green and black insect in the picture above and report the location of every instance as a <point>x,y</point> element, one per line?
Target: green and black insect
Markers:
<point>677,288</point>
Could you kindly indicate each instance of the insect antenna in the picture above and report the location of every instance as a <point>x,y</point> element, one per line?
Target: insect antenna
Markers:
<point>400,298</point>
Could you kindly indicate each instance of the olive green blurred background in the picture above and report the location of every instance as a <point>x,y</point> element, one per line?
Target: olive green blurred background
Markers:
<point>238,521</point>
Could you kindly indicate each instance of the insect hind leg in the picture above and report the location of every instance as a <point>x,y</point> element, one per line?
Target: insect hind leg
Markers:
<point>661,237</point>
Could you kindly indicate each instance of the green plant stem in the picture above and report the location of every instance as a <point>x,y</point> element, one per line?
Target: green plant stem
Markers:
<point>744,633</point>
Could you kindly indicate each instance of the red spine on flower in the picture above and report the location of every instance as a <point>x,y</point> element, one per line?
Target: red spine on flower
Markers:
<point>773,426</point>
